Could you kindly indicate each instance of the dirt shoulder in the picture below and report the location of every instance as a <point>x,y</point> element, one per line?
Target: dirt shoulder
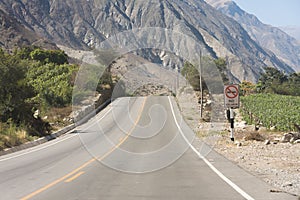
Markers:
<point>257,151</point>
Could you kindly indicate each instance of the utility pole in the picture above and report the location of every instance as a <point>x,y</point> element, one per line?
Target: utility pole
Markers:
<point>201,87</point>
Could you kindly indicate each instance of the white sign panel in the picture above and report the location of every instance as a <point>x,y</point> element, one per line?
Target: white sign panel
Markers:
<point>232,97</point>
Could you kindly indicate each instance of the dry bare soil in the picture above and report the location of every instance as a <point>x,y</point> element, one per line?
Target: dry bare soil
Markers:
<point>274,162</point>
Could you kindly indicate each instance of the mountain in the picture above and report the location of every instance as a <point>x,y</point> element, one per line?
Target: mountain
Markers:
<point>283,45</point>
<point>293,31</point>
<point>84,24</point>
<point>14,34</point>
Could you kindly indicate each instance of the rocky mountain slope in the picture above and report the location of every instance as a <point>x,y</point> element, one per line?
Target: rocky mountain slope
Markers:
<point>293,31</point>
<point>14,34</point>
<point>284,46</point>
<point>83,24</point>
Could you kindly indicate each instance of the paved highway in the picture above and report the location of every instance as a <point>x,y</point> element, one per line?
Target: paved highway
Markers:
<point>136,148</point>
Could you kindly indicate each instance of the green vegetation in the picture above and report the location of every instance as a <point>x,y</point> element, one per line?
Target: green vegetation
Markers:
<point>269,110</point>
<point>191,73</point>
<point>276,82</point>
<point>274,101</point>
<point>52,84</point>
<point>37,88</point>
<point>31,79</point>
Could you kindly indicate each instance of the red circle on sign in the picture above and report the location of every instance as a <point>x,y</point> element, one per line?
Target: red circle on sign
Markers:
<point>231,92</point>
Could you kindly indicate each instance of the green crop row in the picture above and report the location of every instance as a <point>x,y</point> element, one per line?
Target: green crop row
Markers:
<point>272,110</point>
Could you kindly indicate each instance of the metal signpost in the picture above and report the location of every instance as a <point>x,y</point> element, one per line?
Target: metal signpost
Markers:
<point>232,101</point>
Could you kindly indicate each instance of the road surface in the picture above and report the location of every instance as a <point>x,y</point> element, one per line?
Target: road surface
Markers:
<point>136,148</point>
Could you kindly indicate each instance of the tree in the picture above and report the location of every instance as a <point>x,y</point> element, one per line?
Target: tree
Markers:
<point>275,81</point>
<point>14,89</point>
<point>190,72</point>
<point>222,67</point>
<point>247,88</point>
<point>271,80</point>
<point>49,56</point>
<point>52,83</point>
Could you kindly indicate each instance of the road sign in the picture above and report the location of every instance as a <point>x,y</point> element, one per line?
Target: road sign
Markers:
<point>232,97</point>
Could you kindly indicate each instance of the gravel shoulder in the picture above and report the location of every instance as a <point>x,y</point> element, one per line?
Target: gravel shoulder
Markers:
<point>276,163</point>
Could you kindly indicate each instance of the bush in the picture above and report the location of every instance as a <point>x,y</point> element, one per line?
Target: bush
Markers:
<point>52,83</point>
<point>49,56</point>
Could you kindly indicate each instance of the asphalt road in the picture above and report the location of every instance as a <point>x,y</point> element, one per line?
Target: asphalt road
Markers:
<point>136,148</point>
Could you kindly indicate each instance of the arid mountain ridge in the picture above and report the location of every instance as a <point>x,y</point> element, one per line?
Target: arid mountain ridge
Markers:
<point>283,45</point>
<point>83,24</point>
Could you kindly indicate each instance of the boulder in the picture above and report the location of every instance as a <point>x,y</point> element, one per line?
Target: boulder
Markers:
<point>290,137</point>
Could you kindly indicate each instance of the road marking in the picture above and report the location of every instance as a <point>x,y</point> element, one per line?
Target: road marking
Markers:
<point>38,149</point>
<point>29,196</point>
<point>210,165</point>
<point>52,144</point>
<point>74,177</point>
<point>57,180</point>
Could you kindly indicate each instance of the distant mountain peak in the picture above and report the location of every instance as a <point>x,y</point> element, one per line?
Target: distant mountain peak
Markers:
<point>270,38</point>
<point>219,3</point>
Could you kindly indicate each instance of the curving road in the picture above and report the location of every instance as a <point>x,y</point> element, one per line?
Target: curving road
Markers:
<point>136,148</point>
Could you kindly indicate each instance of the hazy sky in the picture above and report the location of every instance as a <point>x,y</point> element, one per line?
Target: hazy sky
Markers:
<point>273,12</point>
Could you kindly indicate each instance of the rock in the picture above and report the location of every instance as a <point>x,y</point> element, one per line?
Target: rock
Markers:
<point>287,184</point>
<point>36,114</point>
<point>296,136</point>
<point>275,190</point>
<point>273,128</point>
<point>290,137</point>
<point>267,142</point>
<point>256,128</point>
<point>238,144</point>
<point>297,141</point>
<point>286,137</point>
<point>276,139</point>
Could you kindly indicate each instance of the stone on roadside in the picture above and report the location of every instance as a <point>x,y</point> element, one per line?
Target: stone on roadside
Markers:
<point>290,137</point>
<point>267,142</point>
<point>286,137</point>
<point>238,144</point>
<point>287,184</point>
<point>276,139</point>
<point>297,141</point>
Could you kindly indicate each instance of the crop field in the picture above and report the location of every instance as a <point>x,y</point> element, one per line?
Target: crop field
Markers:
<point>272,110</point>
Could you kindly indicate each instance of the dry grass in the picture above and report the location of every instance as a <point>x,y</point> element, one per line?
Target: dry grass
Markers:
<point>10,136</point>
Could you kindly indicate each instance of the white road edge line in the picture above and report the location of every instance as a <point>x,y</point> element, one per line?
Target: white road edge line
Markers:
<point>34,150</point>
<point>222,176</point>
<point>52,144</point>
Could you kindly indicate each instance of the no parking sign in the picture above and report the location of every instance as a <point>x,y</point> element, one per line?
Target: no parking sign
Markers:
<point>231,95</point>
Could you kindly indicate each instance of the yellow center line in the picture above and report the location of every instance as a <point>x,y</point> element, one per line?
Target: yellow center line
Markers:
<point>74,177</point>
<point>29,196</point>
<point>58,180</point>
